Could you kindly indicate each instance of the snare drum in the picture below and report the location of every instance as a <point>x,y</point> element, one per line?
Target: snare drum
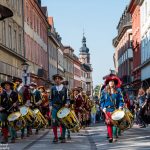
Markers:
<point>27,114</point>
<point>40,121</point>
<point>120,119</point>
<point>69,119</point>
<point>16,121</point>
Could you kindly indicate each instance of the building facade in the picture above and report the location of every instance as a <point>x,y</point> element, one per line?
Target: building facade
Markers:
<point>69,66</point>
<point>145,42</point>
<point>123,56</point>
<point>53,48</point>
<point>36,41</point>
<point>134,10</point>
<point>11,42</point>
<point>77,72</point>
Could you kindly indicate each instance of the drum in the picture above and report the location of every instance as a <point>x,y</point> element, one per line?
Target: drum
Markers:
<point>120,119</point>
<point>3,120</point>
<point>27,114</point>
<point>16,121</point>
<point>69,119</point>
<point>40,121</point>
<point>129,117</point>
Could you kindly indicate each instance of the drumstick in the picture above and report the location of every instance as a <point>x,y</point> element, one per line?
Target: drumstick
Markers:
<point>11,107</point>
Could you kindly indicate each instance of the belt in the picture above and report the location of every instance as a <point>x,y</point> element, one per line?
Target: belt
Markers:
<point>110,107</point>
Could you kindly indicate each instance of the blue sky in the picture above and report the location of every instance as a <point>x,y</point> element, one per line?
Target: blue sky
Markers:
<point>99,19</point>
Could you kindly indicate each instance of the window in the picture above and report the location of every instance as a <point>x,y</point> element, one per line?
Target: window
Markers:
<point>3,33</point>
<point>10,36</point>
<point>15,40</point>
<point>19,44</point>
<point>145,11</point>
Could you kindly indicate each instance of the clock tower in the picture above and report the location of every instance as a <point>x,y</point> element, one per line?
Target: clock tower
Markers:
<point>84,55</point>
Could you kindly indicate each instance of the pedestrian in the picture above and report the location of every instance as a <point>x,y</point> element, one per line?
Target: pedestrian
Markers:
<point>93,114</point>
<point>141,99</point>
<point>111,99</point>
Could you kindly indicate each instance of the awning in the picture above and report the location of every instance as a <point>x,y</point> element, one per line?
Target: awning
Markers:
<point>5,12</point>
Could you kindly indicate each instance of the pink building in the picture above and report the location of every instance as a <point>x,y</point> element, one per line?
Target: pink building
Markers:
<point>134,10</point>
<point>36,25</point>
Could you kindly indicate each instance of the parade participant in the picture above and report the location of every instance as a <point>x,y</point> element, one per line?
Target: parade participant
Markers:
<point>36,98</point>
<point>141,101</point>
<point>78,103</point>
<point>65,83</point>
<point>23,97</point>
<point>110,100</point>
<point>45,101</point>
<point>3,116</point>
<point>59,99</point>
<point>9,103</point>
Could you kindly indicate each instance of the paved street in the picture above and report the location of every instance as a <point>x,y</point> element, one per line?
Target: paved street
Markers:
<point>93,138</point>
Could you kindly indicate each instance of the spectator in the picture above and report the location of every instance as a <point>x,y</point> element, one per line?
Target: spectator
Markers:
<point>93,114</point>
<point>141,101</point>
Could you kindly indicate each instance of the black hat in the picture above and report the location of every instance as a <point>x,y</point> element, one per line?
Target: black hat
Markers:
<point>7,82</point>
<point>17,80</point>
<point>57,75</point>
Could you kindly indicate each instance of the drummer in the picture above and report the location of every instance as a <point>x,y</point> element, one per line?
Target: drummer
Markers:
<point>9,104</point>
<point>24,99</point>
<point>110,100</point>
<point>45,101</point>
<point>78,103</point>
<point>36,98</point>
<point>59,99</point>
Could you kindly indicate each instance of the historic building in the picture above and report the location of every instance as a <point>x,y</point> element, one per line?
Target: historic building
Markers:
<point>134,10</point>
<point>55,51</point>
<point>11,40</point>
<point>145,42</point>
<point>77,71</point>
<point>36,40</point>
<point>69,66</point>
<point>84,58</point>
<point>123,56</point>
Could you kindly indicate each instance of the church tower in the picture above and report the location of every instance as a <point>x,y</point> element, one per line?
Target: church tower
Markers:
<point>84,55</point>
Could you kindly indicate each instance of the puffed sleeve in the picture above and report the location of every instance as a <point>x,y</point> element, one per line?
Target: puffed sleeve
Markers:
<point>102,100</point>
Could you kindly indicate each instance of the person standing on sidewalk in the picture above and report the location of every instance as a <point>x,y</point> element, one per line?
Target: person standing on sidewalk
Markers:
<point>141,101</point>
<point>110,100</point>
<point>58,99</point>
<point>93,114</point>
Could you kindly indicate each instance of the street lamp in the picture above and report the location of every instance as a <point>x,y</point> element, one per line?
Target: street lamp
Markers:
<point>25,66</point>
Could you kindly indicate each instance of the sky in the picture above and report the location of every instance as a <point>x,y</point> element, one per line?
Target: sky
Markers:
<point>98,19</point>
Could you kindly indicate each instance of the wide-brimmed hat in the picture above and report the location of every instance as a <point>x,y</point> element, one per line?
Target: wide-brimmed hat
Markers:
<point>33,84</point>
<point>114,78</point>
<point>80,88</point>
<point>65,82</point>
<point>7,82</point>
<point>76,89</point>
<point>16,80</point>
<point>57,75</point>
<point>41,87</point>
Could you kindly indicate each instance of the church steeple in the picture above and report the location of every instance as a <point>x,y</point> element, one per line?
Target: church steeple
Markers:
<point>84,48</point>
<point>84,52</point>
